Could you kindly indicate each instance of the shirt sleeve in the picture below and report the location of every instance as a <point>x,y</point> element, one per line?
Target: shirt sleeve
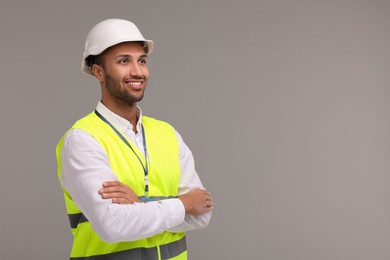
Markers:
<point>189,180</point>
<point>85,166</point>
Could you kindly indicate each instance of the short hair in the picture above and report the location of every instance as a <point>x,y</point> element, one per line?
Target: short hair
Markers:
<point>94,59</point>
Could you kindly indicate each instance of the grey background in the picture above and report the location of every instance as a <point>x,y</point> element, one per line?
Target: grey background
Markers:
<point>285,105</point>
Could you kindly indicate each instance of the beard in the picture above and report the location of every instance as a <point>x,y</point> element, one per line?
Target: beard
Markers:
<point>114,89</point>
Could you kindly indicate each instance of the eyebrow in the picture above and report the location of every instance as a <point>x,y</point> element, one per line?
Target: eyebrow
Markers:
<point>130,56</point>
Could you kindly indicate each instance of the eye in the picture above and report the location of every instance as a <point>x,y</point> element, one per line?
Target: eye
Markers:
<point>143,61</point>
<point>124,61</point>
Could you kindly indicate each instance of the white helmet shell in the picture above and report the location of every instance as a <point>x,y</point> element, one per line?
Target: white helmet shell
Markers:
<point>109,33</point>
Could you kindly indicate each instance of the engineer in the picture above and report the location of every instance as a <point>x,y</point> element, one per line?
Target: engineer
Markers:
<point>130,186</point>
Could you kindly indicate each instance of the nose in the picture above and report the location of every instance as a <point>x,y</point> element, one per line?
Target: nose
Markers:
<point>136,70</point>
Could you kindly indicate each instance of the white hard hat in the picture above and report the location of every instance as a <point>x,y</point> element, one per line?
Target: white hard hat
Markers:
<point>109,33</point>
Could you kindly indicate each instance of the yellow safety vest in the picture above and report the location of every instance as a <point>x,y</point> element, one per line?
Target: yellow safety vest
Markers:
<point>164,176</point>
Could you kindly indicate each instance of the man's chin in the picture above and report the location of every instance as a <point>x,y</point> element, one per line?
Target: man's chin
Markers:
<point>133,100</point>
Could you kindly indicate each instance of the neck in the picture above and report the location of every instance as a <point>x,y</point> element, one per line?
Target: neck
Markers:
<point>126,111</point>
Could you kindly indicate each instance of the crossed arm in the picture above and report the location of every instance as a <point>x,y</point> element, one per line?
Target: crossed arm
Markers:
<point>114,211</point>
<point>195,202</point>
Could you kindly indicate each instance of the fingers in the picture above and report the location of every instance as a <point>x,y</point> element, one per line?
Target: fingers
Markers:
<point>208,196</point>
<point>121,201</point>
<point>113,195</point>
<point>120,197</point>
<point>108,184</point>
<point>118,193</point>
<point>209,201</point>
<point>115,186</point>
<point>197,202</point>
<point>113,189</point>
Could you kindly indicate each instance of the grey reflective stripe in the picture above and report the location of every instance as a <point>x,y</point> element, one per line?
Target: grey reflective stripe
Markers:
<point>173,249</point>
<point>75,219</point>
<point>166,251</point>
<point>136,254</point>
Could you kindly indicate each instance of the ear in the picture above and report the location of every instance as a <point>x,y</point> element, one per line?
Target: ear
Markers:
<point>98,72</point>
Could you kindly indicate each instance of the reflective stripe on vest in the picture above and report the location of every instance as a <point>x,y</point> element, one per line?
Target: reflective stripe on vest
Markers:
<point>167,251</point>
<point>76,219</point>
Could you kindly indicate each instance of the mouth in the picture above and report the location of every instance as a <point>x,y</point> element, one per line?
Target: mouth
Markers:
<point>135,84</point>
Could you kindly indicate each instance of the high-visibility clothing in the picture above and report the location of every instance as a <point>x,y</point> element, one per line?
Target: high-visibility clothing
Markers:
<point>164,177</point>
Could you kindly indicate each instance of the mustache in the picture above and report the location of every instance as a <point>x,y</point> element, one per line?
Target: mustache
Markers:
<point>134,78</point>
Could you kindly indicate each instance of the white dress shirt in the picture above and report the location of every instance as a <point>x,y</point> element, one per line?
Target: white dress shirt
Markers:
<point>85,166</point>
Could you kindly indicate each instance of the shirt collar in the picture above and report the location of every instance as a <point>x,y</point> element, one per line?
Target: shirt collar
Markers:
<point>117,121</point>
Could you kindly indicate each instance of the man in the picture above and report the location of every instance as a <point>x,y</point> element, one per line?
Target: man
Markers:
<point>129,182</point>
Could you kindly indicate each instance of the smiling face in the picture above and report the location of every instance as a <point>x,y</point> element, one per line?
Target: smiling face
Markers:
<point>123,74</point>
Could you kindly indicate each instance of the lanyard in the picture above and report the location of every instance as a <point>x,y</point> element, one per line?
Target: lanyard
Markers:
<point>145,167</point>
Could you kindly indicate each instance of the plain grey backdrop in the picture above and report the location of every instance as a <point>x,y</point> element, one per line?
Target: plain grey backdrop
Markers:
<point>285,105</point>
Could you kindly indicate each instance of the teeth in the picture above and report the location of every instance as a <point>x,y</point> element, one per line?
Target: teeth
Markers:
<point>135,83</point>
